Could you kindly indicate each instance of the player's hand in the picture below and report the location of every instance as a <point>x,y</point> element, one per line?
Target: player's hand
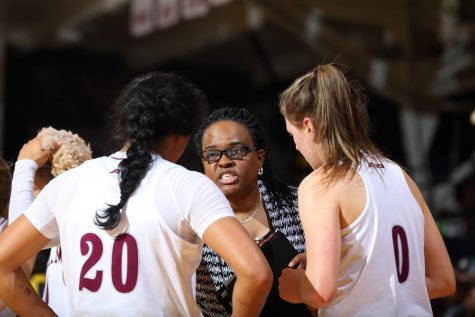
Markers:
<point>32,151</point>
<point>289,285</point>
<point>299,261</point>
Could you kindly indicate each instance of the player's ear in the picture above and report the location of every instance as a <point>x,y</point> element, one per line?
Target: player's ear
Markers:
<point>310,127</point>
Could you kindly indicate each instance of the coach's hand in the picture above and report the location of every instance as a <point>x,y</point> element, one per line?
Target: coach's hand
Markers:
<point>299,261</point>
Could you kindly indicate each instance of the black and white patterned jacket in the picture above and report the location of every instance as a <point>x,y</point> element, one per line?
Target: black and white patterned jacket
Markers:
<point>213,271</point>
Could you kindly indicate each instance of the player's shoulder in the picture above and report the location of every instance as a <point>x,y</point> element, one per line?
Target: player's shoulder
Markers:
<point>311,181</point>
<point>90,166</point>
<point>89,169</point>
<point>175,173</point>
<point>319,184</point>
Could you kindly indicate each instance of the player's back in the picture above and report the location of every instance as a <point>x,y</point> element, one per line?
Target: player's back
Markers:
<point>142,267</point>
<point>382,270</point>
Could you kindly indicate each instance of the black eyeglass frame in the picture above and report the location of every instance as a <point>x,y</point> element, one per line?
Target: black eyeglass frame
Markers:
<point>247,150</point>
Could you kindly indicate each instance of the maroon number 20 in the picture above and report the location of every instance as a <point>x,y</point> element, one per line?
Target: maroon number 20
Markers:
<point>93,284</point>
<point>402,260</point>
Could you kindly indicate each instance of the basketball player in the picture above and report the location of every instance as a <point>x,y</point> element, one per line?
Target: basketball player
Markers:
<point>62,150</point>
<point>373,248</point>
<point>132,224</point>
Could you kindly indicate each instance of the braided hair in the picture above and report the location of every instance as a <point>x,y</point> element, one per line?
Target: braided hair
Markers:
<point>149,109</point>
<point>279,193</point>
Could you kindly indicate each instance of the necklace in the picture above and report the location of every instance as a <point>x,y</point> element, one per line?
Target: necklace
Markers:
<point>254,212</point>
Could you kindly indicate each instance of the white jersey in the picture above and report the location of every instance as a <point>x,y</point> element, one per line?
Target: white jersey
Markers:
<point>382,270</point>
<point>54,293</point>
<point>148,268</point>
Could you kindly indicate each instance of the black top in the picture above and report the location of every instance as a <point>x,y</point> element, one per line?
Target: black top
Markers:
<point>213,271</point>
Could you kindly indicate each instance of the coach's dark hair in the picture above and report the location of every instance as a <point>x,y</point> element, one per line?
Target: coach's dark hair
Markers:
<point>280,194</point>
<point>150,108</point>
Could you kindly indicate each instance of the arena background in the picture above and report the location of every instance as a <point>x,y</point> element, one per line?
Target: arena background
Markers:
<point>62,63</point>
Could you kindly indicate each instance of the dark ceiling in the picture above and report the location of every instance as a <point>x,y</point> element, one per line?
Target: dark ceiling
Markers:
<point>417,54</point>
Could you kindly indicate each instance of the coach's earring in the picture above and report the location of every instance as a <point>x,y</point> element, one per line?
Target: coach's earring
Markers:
<point>260,171</point>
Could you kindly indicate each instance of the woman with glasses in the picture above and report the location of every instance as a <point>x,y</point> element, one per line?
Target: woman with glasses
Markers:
<point>132,224</point>
<point>232,144</point>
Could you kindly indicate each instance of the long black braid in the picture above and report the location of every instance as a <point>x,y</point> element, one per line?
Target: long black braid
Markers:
<point>149,109</point>
<point>280,194</point>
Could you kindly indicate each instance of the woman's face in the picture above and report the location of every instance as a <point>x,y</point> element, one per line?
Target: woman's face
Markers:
<point>305,143</point>
<point>235,177</point>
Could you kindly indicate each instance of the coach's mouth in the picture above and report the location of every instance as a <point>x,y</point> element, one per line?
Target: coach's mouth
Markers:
<point>228,178</point>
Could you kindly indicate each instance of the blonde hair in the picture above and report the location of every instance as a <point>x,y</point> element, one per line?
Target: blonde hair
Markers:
<point>72,152</point>
<point>337,104</point>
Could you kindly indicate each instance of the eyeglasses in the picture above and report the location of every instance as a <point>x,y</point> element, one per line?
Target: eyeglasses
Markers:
<point>234,153</point>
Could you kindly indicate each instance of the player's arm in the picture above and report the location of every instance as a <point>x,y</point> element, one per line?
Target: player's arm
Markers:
<point>18,243</point>
<point>316,285</point>
<point>440,276</point>
<point>22,196</point>
<point>30,158</point>
<point>230,240</point>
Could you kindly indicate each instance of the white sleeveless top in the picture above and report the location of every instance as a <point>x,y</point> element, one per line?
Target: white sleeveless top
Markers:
<point>148,270</point>
<point>382,271</point>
